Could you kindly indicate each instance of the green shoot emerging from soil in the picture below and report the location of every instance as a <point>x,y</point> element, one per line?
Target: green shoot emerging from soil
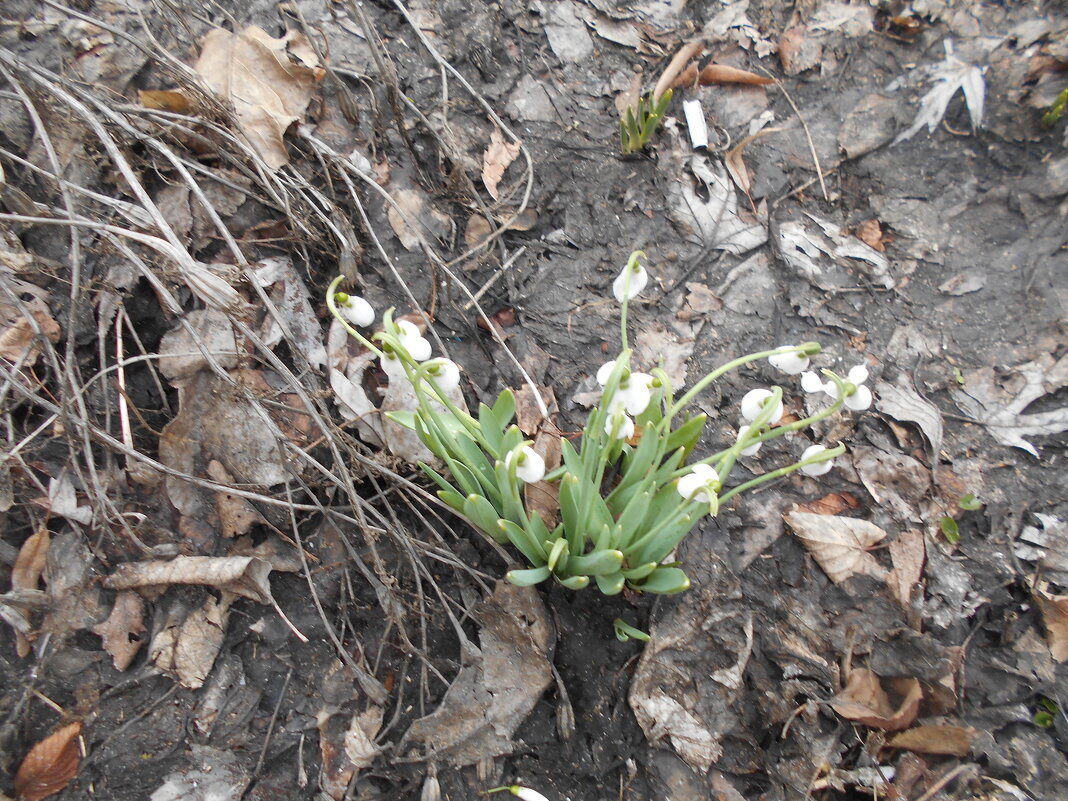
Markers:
<point>629,490</point>
<point>635,129</point>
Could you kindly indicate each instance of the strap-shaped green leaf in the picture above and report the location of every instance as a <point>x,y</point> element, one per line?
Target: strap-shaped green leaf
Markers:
<point>492,430</point>
<point>664,581</point>
<point>527,578</point>
<point>569,512</point>
<point>481,512</point>
<point>686,435</point>
<point>402,417</point>
<point>627,527</point>
<point>597,563</point>
<point>611,585</point>
<point>453,500</point>
<point>661,541</point>
<point>533,550</point>
<point>640,572</point>
<point>504,408</point>
<point>575,582</point>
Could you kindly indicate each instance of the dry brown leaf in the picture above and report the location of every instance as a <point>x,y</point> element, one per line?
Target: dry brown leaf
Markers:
<point>1055,616</point>
<point>496,159</point>
<point>839,544</point>
<point>269,91</point>
<point>120,631</point>
<point>735,163</point>
<point>188,648</point>
<point>907,552</point>
<point>50,765</point>
<point>236,515</point>
<point>180,355</point>
<point>475,232</point>
<point>164,100</point>
<point>412,208</point>
<point>242,575</point>
<point>19,341</point>
<point>871,234</point>
<point>31,560</point>
<point>833,504</point>
<point>687,53</point>
<point>865,701</point>
<point>347,750</point>
<point>946,740</point>
<point>687,78</point>
<point>630,97</point>
<point>721,73</point>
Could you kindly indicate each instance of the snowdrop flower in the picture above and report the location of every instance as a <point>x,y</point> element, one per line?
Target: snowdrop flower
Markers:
<point>750,450</point>
<point>819,468</point>
<point>415,343</point>
<point>753,402</point>
<point>790,363</point>
<point>393,367</point>
<point>701,484</point>
<point>858,400</point>
<point>630,282</point>
<point>529,466</point>
<point>621,424</point>
<point>445,372</point>
<point>525,793</point>
<point>633,393</point>
<point>355,309</point>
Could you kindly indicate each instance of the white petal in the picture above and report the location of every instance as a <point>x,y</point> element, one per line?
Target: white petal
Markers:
<point>393,368</point>
<point>605,371</point>
<point>526,794</point>
<point>357,311</point>
<point>706,471</point>
<point>531,466</point>
<point>407,329</point>
<point>857,375</point>
<point>446,374</point>
<point>638,279</point>
<point>637,394</point>
<point>752,449</point>
<point>859,400</point>
<point>691,483</point>
<point>811,382</point>
<point>790,363</point>
<point>819,468</point>
<point>753,402</point>
<point>626,426</point>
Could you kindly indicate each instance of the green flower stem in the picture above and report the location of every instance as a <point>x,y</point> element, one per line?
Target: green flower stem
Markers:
<point>332,305</point>
<point>823,456</point>
<point>809,348</point>
<point>473,427</point>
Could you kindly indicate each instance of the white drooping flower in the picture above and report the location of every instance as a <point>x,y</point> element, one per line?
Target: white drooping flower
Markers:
<point>819,468</point>
<point>701,484</point>
<point>526,794</point>
<point>751,449</point>
<point>393,367</point>
<point>355,309</point>
<point>859,400</point>
<point>625,425</point>
<point>529,467</point>
<point>753,402</point>
<point>630,282</point>
<point>412,341</point>
<point>790,363</point>
<point>633,393</point>
<point>445,372</point>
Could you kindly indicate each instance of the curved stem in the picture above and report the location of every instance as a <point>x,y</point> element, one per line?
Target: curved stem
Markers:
<point>332,305</point>
<point>823,456</point>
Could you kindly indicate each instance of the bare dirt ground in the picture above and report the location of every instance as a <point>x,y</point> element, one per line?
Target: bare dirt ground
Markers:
<point>225,578</point>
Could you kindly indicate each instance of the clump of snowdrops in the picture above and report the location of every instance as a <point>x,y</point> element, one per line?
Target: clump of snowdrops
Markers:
<point>631,488</point>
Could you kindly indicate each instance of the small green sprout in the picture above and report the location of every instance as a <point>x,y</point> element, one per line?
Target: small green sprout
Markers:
<point>635,130</point>
<point>1046,712</point>
<point>969,503</point>
<point>625,631</point>
<point>1056,110</point>
<point>950,529</point>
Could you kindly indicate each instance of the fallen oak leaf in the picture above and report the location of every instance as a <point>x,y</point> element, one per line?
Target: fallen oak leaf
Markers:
<point>865,701</point>
<point>721,73</point>
<point>944,740</point>
<point>50,764</point>
<point>839,544</point>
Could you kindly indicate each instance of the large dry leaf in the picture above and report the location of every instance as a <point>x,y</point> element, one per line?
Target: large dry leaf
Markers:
<point>50,765</point>
<point>236,514</point>
<point>895,481</point>
<point>999,405</point>
<point>268,89</point>
<point>1055,616</point>
<point>496,159</point>
<point>346,748</point>
<point>1047,545</point>
<point>242,575</point>
<point>121,631</point>
<point>901,401</point>
<point>713,214</point>
<point>180,355</point>
<point>411,208</point>
<point>293,303</point>
<point>497,687</point>
<point>949,75</point>
<point>945,740</point>
<point>19,340</point>
<point>839,544</point>
<point>26,574</point>
<point>187,648</point>
<point>811,248</point>
<point>865,701</point>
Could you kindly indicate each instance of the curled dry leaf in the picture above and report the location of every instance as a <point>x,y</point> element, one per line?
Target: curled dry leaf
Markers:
<point>833,504</point>
<point>242,575</point>
<point>236,515</point>
<point>164,100</point>
<point>121,631</point>
<point>907,553</point>
<point>410,208</point>
<point>721,73</point>
<point>871,234</point>
<point>1055,616</point>
<point>19,341</point>
<point>269,90</point>
<point>187,648</point>
<point>865,701</point>
<point>687,53</point>
<point>496,159</point>
<point>946,740</point>
<point>50,765</point>
<point>839,544</point>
